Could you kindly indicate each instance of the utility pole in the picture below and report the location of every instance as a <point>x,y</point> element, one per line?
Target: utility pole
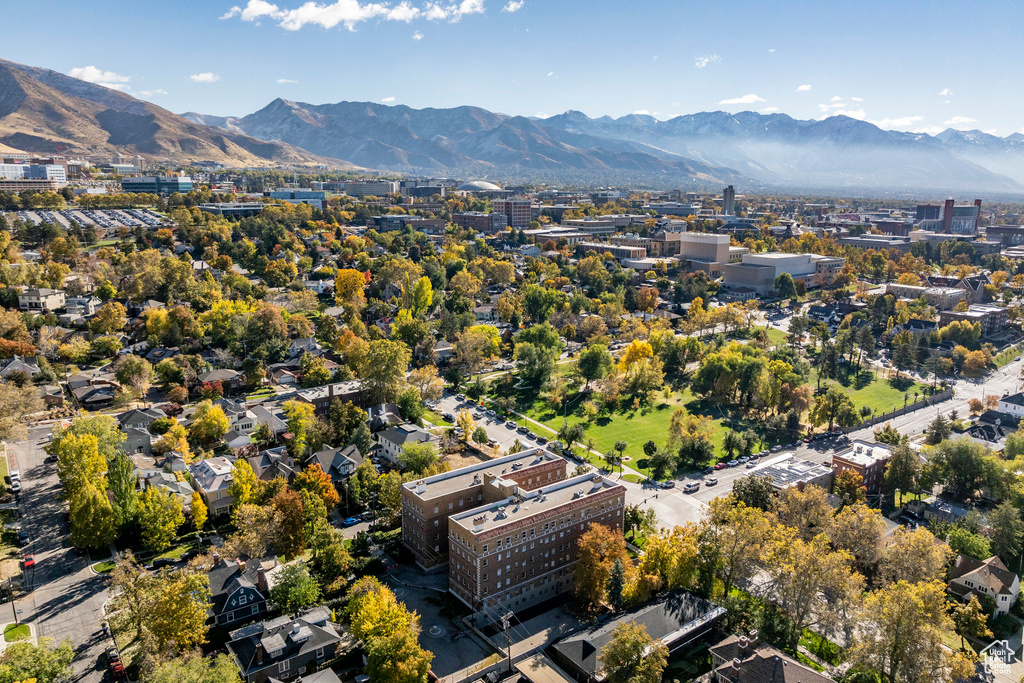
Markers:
<point>505,620</point>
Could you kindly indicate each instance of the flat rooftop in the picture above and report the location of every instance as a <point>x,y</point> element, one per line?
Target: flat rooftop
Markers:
<point>531,503</point>
<point>467,477</point>
<point>865,453</point>
<point>789,472</point>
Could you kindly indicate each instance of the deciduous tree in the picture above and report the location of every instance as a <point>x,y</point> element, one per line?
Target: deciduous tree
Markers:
<point>160,516</point>
<point>597,551</point>
<point>632,656</point>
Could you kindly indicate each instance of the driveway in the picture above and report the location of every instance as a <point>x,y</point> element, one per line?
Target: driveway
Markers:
<point>65,598</point>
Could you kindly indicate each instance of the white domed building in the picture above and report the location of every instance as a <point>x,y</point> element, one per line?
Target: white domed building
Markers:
<point>479,186</point>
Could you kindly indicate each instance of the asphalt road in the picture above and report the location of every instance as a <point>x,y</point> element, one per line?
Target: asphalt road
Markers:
<point>66,598</point>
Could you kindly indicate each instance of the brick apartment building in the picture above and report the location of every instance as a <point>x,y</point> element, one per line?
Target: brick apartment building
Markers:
<point>522,550</point>
<point>866,459</point>
<point>427,503</point>
<point>507,528</point>
<point>517,212</point>
<point>489,223</point>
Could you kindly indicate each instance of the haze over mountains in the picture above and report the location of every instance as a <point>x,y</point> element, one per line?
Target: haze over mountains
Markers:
<point>41,109</point>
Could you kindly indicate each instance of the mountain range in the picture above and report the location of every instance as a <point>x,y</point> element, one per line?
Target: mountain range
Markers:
<point>42,111</point>
<point>838,153</point>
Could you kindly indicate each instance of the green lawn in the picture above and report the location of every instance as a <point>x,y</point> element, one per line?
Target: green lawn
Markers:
<point>1006,356</point>
<point>104,567</point>
<point>775,337</point>
<point>878,393</point>
<point>175,552</point>
<point>13,633</point>
<point>436,419</point>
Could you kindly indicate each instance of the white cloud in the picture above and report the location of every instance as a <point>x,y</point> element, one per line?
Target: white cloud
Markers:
<point>348,13</point>
<point>945,92</point>
<point>107,79</point>
<point>771,50</point>
<point>388,99</point>
<point>929,130</point>
<point>205,77</point>
<point>416,35</point>
<point>703,61</point>
<point>857,99</point>
<point>641,112</point>
<point>837,98</point>
<point>286,80</point>
<point>960,121</point>
<point>148,93</point>
<point>654,58</point>
<point>947,101</point>
<point>991,131</point>
<point>803,88</point>
<point>541,115</point>
<point>898,121</point>
<point>768,110</point>
<point>833,105</point>
<point>551,74</point>
<point>745,99</point>
<point>513,6</point>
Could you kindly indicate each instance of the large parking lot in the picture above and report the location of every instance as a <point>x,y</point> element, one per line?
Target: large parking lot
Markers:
<point>503,433</point>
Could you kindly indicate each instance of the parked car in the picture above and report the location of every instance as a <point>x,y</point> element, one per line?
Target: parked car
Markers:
<point>732,463</point>
<point>511,424</point>
<point>691,486</point>
<point>542,440</point>
<point>523,429</point>
<point>711,481</point>
<point>351,521</point>
<point>709,470</point>
<point>16,487</point>
<point>743,459</point>
<point>28,561</point>
<point>461,397</point>
<point>23,539</point>
<point>531,435</point>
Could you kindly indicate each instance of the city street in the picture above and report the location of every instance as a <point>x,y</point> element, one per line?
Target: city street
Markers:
<point>65,598</point>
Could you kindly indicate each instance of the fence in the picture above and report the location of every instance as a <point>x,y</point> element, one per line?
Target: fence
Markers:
<point>944,395</point>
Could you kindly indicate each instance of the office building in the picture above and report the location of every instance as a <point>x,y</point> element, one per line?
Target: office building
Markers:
<point>942,298</point>
<point>233,209</point>
<point>428,503</point>
<point>991,318</point>
<point>596,227</point>
<point>315,198</point>
<point>364,188</point>
<point>391,222</point>
<point>896,245</point>
<point>729,201</point>
<point>517,212</point>
<point>799,473</point>
<point>866,459</point>
<point>157,184</point>
<point>522,549</point>
<point>489,223</point>
<point>618,251</point>
<point>953,218</point>
<point>50,172</point>
<point>1007,235</point>
<point>758,271</point>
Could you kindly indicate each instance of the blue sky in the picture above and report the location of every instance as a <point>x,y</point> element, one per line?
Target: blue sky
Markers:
<point>908,65</point>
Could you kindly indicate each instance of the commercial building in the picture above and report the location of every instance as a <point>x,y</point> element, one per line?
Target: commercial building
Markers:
<point>866,459</point>
<point>596,227</point>
<point>55,172</point>
<point>392,222</point>
<point>729,201</point>
<point>233,209</point>
<point>427,503</point>
<point>878,242</point>
<point>517,212</point>
<point>315,198</point>
<point>363,188</point>
<point>618,251</point>
<point>799,473</point>
<point>522,549</point>
<point>942,298</point>
<point>1007,235</point>
<point>489,223</point>
<point>991,318</point>
<point>157,184</point>
<point>37,299</point>
<point>758,271</point>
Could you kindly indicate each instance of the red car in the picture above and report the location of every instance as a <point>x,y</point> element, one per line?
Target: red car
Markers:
<point>29,561</point>
<point>720,465</point>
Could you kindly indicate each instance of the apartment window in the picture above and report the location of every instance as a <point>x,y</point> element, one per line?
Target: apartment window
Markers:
<point>485,547</point>
<point>283,666</point>
<point>451,506</point>
<point>255,609</point>
<point>319,653</point>
<point>436,523</point>
<point>436,510</point>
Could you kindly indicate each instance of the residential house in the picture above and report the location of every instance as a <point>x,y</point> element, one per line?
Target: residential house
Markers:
<point>94,395</point>
<point>394,440</point>
<point>138,440</point>
<point>284,376</point>
<point>676,619</point>
<point>383,415</point>
<point>168,482</point>
<point>266,415</point>
<point>744,659</point>
<point>273,463</point>
<point>304,345</point>
<point>29,366</point>
<point>238,592</point>
<point>338,463</point>
<point>1012,404</point>
<point>443,351</point>
<point>160,353</point>
<point>285,647</point>
<point>212,477</point>
<point>241,419</point>
<point>986,579</point>
<point>319,286</point>
<point>485,313</point>
<point>85,306</point>
<point>231,380</point>
<point>139,418</point>
<point>321,397</point>
<point>52,395</point>
<point>41,300</point>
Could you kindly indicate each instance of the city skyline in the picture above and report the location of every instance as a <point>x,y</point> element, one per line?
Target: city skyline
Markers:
<point>915,66</point>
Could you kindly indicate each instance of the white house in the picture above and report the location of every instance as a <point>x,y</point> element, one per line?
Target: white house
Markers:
<point>212,477</point>
<point>984,578</point>
<point>393,440</point>
<point>1012,404</point>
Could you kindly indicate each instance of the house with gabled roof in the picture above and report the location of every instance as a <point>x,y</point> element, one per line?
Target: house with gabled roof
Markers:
<point>238,592</point>
<point>286,647</point>
<point>338,463</point>
<point>984,578</point>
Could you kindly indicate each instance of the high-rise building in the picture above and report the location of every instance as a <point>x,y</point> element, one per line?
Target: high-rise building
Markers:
<point>157,184</point>
<point>729,201</point>
<point>517,212</point>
